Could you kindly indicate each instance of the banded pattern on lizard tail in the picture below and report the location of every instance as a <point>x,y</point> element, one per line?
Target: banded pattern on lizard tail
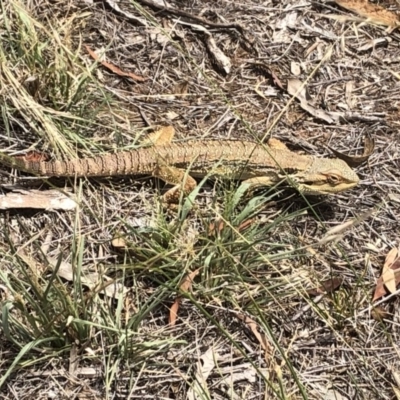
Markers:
<point>259,165</point>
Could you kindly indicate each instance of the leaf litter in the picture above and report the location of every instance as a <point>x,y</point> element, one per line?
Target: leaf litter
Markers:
<point>330,341</point>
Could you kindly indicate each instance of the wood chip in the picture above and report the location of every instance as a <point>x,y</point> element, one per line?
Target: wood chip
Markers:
<point>92,280</point>
<point>37,199</point>
<point>199,389</point>
<point>297,89</point>
<point>133,18</point>
<point>222,62</point>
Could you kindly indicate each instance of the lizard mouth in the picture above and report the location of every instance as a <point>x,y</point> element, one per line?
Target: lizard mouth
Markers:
<point>325,189</point>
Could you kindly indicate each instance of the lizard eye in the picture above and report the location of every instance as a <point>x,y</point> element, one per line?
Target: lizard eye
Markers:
<point>333,179</point>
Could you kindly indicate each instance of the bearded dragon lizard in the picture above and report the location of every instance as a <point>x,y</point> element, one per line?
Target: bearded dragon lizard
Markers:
<point>179,163</point>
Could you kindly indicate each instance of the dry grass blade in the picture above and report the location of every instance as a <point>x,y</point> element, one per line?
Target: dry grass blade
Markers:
<point>337,232</point>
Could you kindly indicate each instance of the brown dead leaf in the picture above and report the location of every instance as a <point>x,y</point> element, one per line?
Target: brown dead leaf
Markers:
<point>327,286</point>
<point>379,290</point>
<point>276,79</point>
<point>253,327</point>
<point>173,312</point>
<point>269,72</point>
<point>388,274</point>
<point>390,258</point>
<point>390,277</point>
<point>185,286</point>
<point>246,224</point>
<point>114,68</point>
<point>379,313</point>
<point>355,161</point>
<point>373,13</point>
<point>218,226</point>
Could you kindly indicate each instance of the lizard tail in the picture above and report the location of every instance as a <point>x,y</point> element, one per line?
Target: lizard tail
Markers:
<point>106,165</point>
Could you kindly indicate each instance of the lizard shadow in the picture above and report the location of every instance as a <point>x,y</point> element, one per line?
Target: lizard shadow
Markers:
<point>318,207</point>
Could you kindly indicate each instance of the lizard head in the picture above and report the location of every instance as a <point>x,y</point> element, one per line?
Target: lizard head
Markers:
<point>326,176</point>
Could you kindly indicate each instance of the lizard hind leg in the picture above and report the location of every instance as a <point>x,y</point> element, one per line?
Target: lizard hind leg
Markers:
<point>277,144</point>
<point>183,182</point>
<point>162,136</point>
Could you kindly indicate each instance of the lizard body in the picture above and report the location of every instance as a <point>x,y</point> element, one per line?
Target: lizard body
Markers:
<point>257,164</point>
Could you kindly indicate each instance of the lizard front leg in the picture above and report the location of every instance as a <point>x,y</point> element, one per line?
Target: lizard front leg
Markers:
<point>260,181</point>
<point>183,182</point>
<point>250,185</point>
